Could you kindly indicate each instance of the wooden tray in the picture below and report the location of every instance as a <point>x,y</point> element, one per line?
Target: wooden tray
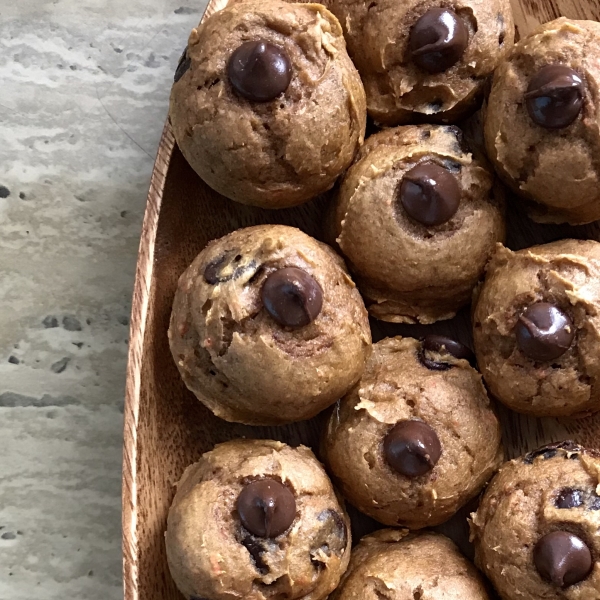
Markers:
<point>166,428</point>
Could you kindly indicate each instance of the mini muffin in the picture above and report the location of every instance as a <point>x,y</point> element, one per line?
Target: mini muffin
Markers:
<point>267,326</point>
<point>267,107</point>
<point>256,519</point>
<point>536,529</point>
<point>541,128</point>
<point>537,328</point>
<point>417,217</point>
<point>416,439</point>
<point>424,60</point>
<point>393,564</point>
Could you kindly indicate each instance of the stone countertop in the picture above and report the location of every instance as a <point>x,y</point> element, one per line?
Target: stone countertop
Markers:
<point>85,86</point>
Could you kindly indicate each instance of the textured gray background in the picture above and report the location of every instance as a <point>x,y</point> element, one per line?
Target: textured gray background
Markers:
<point>84,94</point>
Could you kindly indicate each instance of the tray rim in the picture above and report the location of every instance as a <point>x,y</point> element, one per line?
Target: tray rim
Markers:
<point>139,313</point>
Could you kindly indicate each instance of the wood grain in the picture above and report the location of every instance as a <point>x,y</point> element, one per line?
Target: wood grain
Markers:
<point>166,428</point>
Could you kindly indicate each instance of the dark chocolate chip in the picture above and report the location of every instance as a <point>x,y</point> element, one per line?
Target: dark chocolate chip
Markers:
<point>569,498</point>
<point>544,332</point>
<point>256,551</point>
<point>430,194</point>
<point>266,507</point>
<point>412,448</point>
<point>594,503</point>
<point>551,450</point>
<point>554,96</point>
<point>502,28</point>
<point>259,71</point>
<point>438,40</point>
<point>439,344</point>
<point>562,558</point>
<point>185,62</point>
<point>220,270</point>
<point>334,528</point>
<point>292,297</point>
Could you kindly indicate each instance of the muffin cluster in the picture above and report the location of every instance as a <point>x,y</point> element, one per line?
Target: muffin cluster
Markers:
<point>270,326</point>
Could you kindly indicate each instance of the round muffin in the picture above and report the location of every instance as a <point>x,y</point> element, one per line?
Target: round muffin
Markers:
<point>541,125</point>
<point>536,528</point>
<point>417,218</point>
<point>267,326</point>
<point>267,107</point>
<point>537,328</point>
<point>393,564</point>
<point>424,60</point>
<point>257,519</point>
<point>416,438</point>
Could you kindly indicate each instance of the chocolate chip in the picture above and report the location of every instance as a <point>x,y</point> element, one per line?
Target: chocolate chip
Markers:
<point>554,96</point>
<point>292,297</point>
<point>256,551</point>
<point>429,194</point>
<point>438,40</point>
<point>551,450</point>
<point>594,503</point>
<point>266,507</point>
<point>544,332</point>
<point>220,270</point>
<point>569,498</point>
<point>185,62</point>
<point>334,528</point>
<point>562,558</point>
<point>331,537</point>
<point>439,344</point>
<point>412,448</point>
<point>259,71</point>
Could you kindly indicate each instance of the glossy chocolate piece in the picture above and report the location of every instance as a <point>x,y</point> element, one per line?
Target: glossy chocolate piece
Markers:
<point>259,71</point>
<point>266,508</point>
<point>562,558</point>
<point>554,97</point>
<point>412,448</point>
<point>430,194</point>
<point>292,297</point>
<point>438,40</point>
<point>544,332</point>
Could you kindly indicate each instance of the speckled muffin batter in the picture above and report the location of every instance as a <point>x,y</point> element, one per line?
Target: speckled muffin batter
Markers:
<point>536,529</point>
<point>417,217</point>
<point>257,519</point>
<point>267,326</point>
<point>537,328</point>
<point>416,438</point>
<point>541,128</point>
<point>392,564</point>
<point>267,107</point>
<point>424,59</point>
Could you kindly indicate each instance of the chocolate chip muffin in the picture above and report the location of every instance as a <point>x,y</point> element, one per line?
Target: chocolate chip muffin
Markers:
<point>267,107</point>
<point>256,519</point>
<point>393,564</point>
<point>417,217</point>
<point>541,127</point>
<point>537,328</point>
<point>536,529</point>
<point>416,438</point>
<point>267,326</point>
<point>424,60</point>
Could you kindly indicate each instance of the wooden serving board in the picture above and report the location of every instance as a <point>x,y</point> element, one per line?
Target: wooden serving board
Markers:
<point>166,428</point>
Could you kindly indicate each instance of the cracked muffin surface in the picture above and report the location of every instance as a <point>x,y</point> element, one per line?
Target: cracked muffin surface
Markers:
<point>542,135</point>
<point>393,564</point>
<point>416,438</point>
<point>212,553</point>
<point>536,528</point>
<point>537,328</point>
<point>407,69</point>
<point>267,326</point>
<point>417,250</point>
<point>295,117</point>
